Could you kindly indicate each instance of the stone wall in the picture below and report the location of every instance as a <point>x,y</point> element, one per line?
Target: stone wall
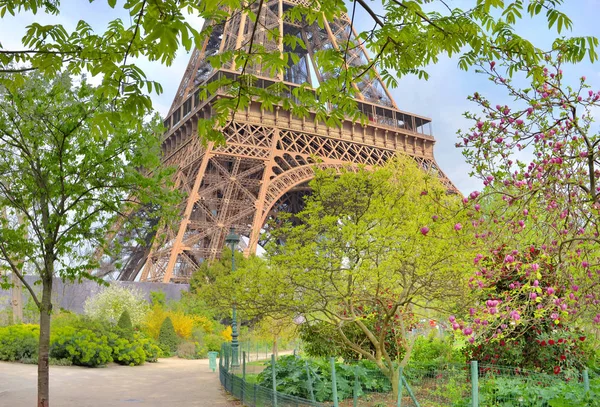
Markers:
<point>72,296</point>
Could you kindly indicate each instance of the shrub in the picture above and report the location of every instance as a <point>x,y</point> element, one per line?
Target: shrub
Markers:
<point>19,342</point>
<point>212,342</point>
<point>190,350</point>
<point>125,352</point>
<point>167,338</point>
<point>125,328</point>
<point>226,334</point>
<point>110,303</point>
<point>151,349</point>
<point>82,347</point>
<point>183,324</point>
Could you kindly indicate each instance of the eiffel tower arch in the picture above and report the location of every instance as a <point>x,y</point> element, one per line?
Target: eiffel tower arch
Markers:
<point>269,156</point>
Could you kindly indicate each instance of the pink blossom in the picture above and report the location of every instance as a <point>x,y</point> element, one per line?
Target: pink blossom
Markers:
<point>457,227</point>
<point>477,207</point>
<point>550,290</point>
<point>554,316</point>
<point>474,194</point>
<point>509,259</point>
<point>455,326</point>
<point>424,230</point>
<point>533,296</point>
<point>434,218</point>
<point>535,267</point>
<point>467,331</point>
<point>536,283</point>
<point>471,339</point>
<point>452,318</point>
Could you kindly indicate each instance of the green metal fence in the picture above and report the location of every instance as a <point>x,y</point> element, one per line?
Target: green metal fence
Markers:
<point>470,385</point>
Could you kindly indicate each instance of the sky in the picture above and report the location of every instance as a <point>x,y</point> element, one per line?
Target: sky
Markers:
<point>443,97</point>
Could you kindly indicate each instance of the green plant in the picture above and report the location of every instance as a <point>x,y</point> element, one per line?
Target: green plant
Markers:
<point>125,352</point>
<point>82,347</point>
<point>19,342</point>
<point>124,325</point>
<point>292,379</point>
<point>167,338</point>
<point>151,349</point>
<point>191,350</point>
<point>213,342</point>
<point>111,302</point>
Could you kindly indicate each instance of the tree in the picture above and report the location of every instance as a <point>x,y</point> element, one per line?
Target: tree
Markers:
<point>167,337</point>
<point>406,37</point>
<point>372,251</point>
<point>539,158</point>
<point>125,325</point>
<point>68,167</point>
<point>111,302</point>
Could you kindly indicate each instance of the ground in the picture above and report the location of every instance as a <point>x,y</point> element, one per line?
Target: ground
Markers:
<point>170,382</point>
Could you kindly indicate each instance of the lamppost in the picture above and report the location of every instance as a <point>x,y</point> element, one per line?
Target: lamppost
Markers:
<point>232,241</point>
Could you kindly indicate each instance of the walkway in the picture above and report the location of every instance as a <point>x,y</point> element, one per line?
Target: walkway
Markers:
<point>170,382</point>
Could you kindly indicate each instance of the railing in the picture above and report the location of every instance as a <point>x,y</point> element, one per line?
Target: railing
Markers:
<point>465,385</point>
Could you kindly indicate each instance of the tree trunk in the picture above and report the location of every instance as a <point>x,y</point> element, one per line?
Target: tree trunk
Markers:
<point>44,347</point>
<point>394,379</point>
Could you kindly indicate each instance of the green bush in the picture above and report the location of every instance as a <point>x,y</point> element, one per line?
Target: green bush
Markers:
<point>19,342</point>
<point>151,349</point>
<point>212,342</point>
<point>124,326</point>
<point>83,347</point>
<point>167,338</point>
<point>125,352</point>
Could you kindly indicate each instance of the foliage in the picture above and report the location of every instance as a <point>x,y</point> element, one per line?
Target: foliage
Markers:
<point>70,166</point>
<point>433,353</point>
<point>372,250</point>
<point>149,346</point>
<point>226,334</point>
<point>191,350</point>
<point>292,378</point>
<point>125,352</point>
<point>18,342</point>
<point>82,347</point>
<point>167,337</point>
<point>183,324</point>
<point>535,276</point>
<point>212,342</point>
<point>124,325</point>
<point>110,303</point>
<point>507,391</point>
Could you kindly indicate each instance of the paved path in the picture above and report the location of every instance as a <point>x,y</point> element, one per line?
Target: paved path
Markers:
<point>170,382</point>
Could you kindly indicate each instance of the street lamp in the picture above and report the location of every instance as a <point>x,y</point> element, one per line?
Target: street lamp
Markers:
<point>232,241</point>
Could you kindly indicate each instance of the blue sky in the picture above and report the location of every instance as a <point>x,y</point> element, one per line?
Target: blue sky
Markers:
<point>442,97</point>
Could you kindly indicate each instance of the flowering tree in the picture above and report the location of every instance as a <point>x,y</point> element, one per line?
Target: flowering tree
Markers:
<point>110,303</point>
<point>537,218</point>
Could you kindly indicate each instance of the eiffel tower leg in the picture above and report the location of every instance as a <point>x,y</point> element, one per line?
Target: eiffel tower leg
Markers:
<point>192,198</point>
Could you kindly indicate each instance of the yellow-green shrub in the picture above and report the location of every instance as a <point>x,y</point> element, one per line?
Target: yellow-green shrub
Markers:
<point>19,342</point>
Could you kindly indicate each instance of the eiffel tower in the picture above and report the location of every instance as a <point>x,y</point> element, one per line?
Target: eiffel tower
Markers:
<point>269,156</point>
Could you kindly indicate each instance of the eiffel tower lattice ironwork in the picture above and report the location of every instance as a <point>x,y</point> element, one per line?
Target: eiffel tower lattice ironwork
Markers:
<point>269,156</point>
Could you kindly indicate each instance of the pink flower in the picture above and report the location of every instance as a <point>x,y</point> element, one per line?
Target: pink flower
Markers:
<point>492,64</point>
<point>533,296</point>
<point>509,259</point>
<point>434,218</point>
<point>535,267</point>
<point>474,194</point>
<point>471,339</point>
<point>477,207</point>
<point>498,140</point>
<point>424,230</point>
<point>467,331</point>
<point>455,326</point>
<point>452,318</point>
<point>457,227</point>
<point>550,290</point>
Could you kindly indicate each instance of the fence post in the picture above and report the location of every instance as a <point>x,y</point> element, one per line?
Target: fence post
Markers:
<point>474,383</point>
<point>243,375</point>
<point>400,371</point>
<point>255,391</point>
<point>333,382</point>
<point>310,386</point>
<point>355,401</point>
<point>586,380</point>
<point>274,377</point>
